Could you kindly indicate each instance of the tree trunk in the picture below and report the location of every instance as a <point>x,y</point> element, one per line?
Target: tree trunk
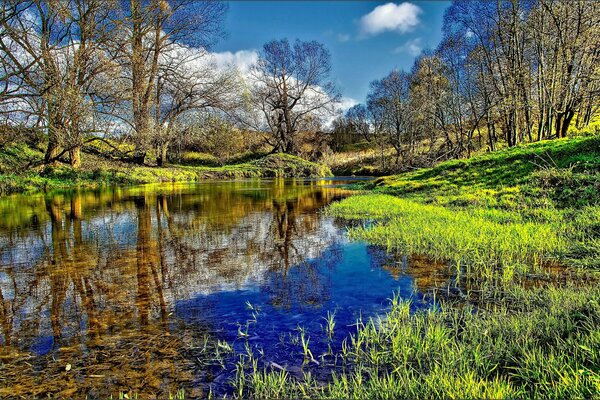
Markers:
<point>52,152</point>
<point>161,159</point>
<point>563,120</point>
<point>139,156</point>
<point>53,149</point>
<point>75,157</point>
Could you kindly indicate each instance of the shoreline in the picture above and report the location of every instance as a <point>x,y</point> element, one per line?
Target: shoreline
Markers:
<point>63,177</point>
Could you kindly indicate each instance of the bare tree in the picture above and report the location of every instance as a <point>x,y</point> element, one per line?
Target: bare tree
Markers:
<point>388,101</point>
<point>52,57</point>
<point>567,37</point>
<point>290,88</point>
<point>187,82</point>
<point>359,121</point>
<point>430,101</point>
<point>149,30</point>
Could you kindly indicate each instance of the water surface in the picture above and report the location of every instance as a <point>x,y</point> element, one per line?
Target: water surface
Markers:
<point>137,288</point>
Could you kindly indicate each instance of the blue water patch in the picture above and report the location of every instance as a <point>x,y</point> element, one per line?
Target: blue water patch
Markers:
<point>347,280</point>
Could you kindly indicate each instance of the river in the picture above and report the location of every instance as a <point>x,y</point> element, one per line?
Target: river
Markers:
<point>151,289</point>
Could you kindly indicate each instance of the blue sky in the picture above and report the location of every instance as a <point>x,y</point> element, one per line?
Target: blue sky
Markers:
<point>366,39</point>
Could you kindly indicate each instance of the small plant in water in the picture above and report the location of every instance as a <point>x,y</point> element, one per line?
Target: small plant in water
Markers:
<point>243,330</point>
<point>305,340</point>
<point>330,324</point>
<point>255,311</point>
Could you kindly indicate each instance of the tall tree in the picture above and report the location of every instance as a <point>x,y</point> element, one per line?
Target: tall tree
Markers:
<point>290,86</point>
<point>149,30</point>
<point>52,57</point>
<point>189,81</point>
<point>388,102</point>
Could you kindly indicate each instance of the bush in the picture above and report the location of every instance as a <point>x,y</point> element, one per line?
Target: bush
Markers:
<point>198,159</point>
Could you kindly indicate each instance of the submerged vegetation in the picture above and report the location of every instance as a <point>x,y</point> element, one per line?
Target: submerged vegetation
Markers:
<point>540,343</point>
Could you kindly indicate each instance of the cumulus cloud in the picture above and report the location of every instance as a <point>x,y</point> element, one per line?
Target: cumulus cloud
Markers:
<point>400,18</point>
<point>347,103</point>
<point>412,47</point>
<point>243,60</point>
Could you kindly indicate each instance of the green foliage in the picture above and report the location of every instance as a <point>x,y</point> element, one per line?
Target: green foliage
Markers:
<point>285,165</point>
<point>197,158</point>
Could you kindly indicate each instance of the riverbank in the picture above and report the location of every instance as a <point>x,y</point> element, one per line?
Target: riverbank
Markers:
<point>16,175</point>
<point>519,232</point>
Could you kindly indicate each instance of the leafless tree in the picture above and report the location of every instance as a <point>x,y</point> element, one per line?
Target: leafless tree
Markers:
<point>189,81</point>
<point>52,58</point>
<point>388,101</point>
<point>290,87</point>
<point>149,29</point>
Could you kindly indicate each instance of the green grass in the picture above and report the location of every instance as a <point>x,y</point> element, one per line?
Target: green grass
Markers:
<point>16,175</point>
<point>476,238</point>
<point>497,210</point>
<point>199,159</point>
<point>517,177</point>
<point>541,343</point>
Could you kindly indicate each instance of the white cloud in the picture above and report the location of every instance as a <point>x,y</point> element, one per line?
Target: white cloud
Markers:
<point>347,103</point>
<point>412,47</point>
<point>344,105</point>
<point>390,17</point>
<point>243,60</point>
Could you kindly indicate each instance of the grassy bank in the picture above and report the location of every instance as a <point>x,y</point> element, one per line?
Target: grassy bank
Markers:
<point>555,173</point>
<point>17,175</point>
<point>540,343</point>
<point>499,221</point>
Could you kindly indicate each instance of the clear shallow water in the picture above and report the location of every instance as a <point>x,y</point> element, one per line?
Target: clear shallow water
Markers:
<point>132,286</point>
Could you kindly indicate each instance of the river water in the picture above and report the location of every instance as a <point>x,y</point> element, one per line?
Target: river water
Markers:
<point>156,288</point>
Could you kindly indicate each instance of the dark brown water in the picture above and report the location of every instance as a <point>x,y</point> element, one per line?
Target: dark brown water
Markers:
<point>137,289</point>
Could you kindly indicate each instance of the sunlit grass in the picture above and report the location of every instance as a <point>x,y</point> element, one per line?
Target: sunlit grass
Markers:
<point>479,238</point>
<point>534,175</point>
<point>534,344</point>
<point>97,171</point>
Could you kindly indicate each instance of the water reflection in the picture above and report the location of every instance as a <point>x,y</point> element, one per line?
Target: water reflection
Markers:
<point>124,283</point>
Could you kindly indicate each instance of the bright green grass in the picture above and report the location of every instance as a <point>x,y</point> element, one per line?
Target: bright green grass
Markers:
<point>548,172</point>
<point>477,238</point>
<point>541,343</point>
<point>501,209</point>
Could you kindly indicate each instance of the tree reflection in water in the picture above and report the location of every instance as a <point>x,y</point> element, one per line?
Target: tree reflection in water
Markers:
<point>98,279</point>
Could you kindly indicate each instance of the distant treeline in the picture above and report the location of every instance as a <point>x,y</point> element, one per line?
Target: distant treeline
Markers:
<point>141,72</point>
<point>505,72</point>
